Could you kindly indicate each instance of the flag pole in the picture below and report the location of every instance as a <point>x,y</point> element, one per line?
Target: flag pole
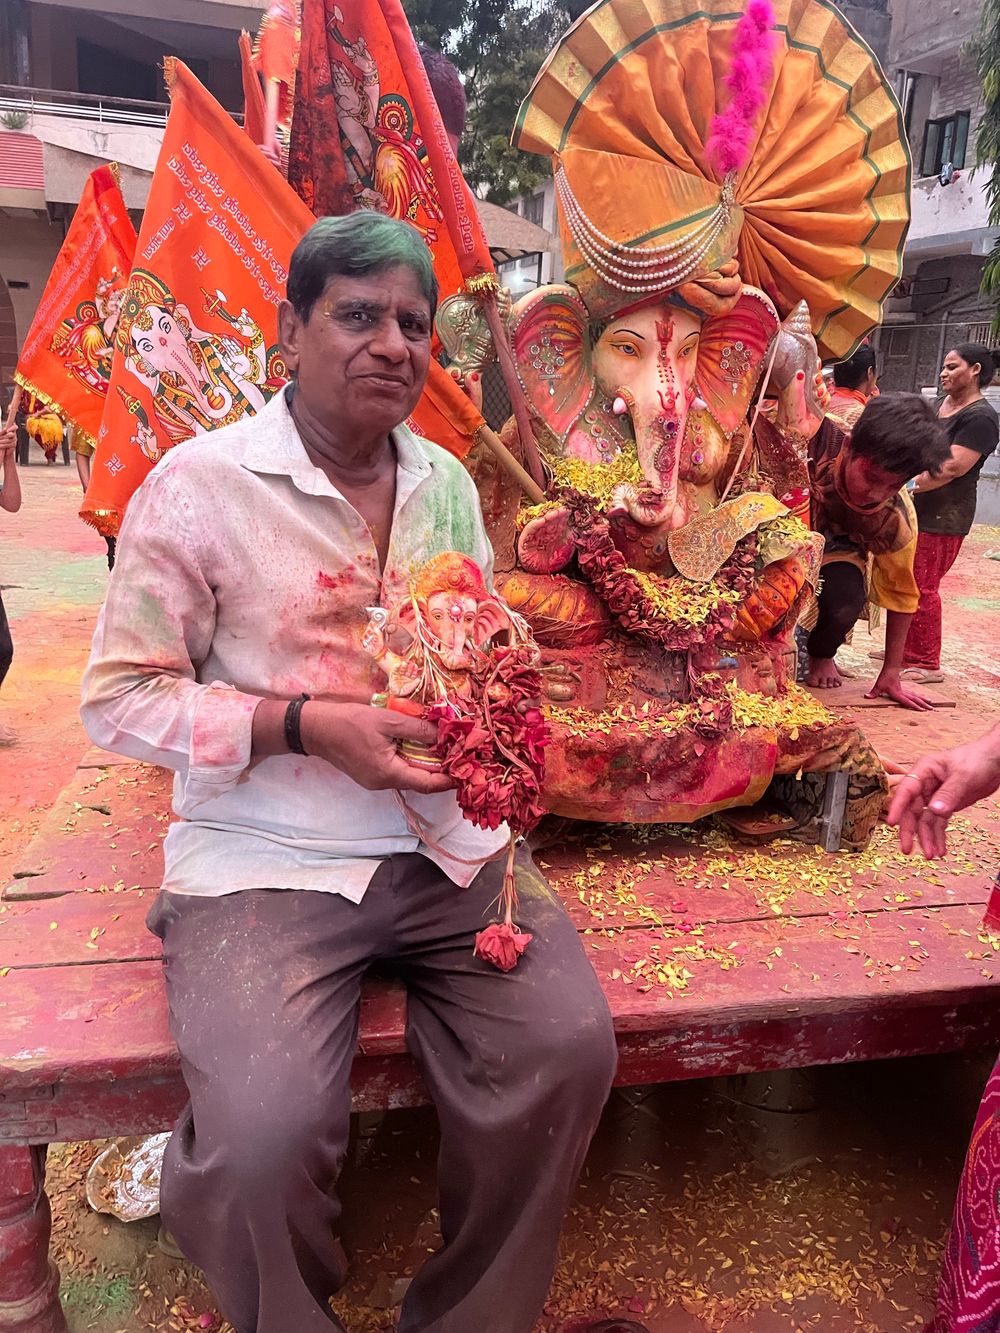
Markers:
<point>272,95</point>
<point>506,459</point>
<point>15,403</point>
<point>518,403</point>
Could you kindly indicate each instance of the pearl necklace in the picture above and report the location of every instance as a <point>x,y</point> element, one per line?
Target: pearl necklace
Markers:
<point>661,266</point>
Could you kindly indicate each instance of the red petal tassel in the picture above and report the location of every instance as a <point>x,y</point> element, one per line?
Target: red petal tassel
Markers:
<point>501,945</point>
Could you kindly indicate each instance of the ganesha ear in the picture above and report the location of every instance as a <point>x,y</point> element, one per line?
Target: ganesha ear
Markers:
<point>406,616</point>
<point>548,330</point>
<point>731,356</point>
<point>492,619</point>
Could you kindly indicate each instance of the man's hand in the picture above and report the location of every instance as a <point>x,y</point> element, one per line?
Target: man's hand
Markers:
<point>361,742</point>
<point>889,686</point>
<point>927,797</point>
<point>8,440</point>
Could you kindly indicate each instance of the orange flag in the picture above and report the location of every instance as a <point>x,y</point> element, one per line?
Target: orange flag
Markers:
<point>276,53</point>
<point>196,342</point>
<point>66,357</point>
<point>367,133</point>
<point>253,95</point>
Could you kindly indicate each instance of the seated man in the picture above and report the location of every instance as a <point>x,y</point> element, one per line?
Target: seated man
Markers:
<point>245,565</point>
<point>859,508</point>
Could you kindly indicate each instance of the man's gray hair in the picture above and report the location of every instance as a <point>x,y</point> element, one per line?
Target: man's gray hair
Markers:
<point>354,246</point>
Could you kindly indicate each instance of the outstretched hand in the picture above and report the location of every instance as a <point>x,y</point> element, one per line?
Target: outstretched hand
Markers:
<point>890,686</point>
<point>361,742</point>
<point>939,785</point>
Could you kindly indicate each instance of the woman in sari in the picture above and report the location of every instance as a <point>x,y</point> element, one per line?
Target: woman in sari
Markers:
<point>968,1298</point>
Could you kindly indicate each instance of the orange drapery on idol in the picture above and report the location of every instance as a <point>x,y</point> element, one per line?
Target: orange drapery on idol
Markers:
<point>196,342</point>
<point>66,357</point>
<point>367,133</point>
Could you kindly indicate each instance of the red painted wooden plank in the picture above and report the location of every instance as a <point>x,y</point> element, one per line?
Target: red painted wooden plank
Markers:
<point>709,1048</point>
<point>705,877</point>
<point>76,928</point>
<point>92,1023</point>
<point>147,1105</point>
<point>756,970</point>
<point>709,876</point>
<point>109,1020</point>
<point>701,1048</point>
<point>105,830</point>
<point>95,757</point>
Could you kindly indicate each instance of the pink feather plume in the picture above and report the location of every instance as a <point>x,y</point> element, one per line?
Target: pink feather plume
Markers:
<point>730,136</point>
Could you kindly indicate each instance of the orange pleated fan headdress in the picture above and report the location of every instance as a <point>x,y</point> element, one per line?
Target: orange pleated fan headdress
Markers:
<point>697,148</point>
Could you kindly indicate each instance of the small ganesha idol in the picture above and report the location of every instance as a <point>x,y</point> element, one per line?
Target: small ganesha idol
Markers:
<point>454,653</point>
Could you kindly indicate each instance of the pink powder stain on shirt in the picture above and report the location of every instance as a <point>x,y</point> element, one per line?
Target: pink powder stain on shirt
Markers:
<point>212,742</point>
<point>333,582</point>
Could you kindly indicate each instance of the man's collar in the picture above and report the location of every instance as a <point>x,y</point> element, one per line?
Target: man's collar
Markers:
<point>274,447</point>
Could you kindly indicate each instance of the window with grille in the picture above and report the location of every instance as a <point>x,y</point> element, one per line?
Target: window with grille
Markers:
<point>981,333</point>
<point>945,140</point>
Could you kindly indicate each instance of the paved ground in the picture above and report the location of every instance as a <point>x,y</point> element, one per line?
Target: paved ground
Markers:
<point>699,1211</point>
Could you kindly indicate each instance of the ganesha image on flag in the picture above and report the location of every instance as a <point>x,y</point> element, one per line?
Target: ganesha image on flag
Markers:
<point>85,339</point>
<point>383,154</point>
<point>197,379</point>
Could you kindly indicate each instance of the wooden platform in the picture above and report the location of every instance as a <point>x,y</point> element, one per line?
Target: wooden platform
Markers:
<point>717,958</point>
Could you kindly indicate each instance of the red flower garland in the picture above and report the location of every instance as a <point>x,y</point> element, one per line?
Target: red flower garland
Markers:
<point>496,755</point>
<point>496,758</point>
<point>606,569</point>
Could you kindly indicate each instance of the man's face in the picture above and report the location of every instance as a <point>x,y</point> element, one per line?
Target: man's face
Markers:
<point>361,358</point>
<point>866,483</point>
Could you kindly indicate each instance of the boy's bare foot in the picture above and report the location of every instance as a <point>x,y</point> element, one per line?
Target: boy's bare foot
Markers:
<point>823,674</point>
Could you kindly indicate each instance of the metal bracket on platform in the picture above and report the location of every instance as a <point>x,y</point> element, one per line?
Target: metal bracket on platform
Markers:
<point>831,824</point>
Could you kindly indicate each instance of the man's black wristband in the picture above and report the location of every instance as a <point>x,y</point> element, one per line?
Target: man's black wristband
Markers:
<point>293,714</point>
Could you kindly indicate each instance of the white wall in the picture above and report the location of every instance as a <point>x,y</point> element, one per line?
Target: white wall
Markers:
<point>522,277</point>
<point>28,248</point>
<point>73,148</point>
<point>940,210</point>
<point>213,13</point>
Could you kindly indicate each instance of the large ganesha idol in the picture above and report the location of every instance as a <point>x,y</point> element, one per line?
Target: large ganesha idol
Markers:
<point>732,202</point>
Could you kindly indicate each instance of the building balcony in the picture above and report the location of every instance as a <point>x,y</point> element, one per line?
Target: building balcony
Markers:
<point>78,132</point>
<point>949,219</point>
<point>925,33</point>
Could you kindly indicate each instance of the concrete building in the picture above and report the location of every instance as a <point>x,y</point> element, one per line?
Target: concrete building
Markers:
<point>81,84</point>
<point>522,275</point>
<point>938,301</point>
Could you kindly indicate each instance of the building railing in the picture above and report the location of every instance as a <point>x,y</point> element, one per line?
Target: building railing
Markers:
<point>84,106</point>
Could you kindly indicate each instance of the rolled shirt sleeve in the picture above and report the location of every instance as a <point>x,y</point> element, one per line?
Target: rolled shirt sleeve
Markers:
<point>141,696</point>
